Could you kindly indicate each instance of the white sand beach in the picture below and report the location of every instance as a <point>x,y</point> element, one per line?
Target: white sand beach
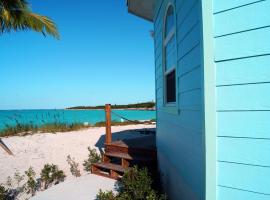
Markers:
<point>40,149</point>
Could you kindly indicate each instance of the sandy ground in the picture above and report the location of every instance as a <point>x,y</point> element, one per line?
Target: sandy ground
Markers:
<point>40,149</point>
<point>82,188</point>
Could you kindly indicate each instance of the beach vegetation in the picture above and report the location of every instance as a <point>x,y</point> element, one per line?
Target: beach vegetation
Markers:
<point>3,193</point>
<point>136,184</point>
<point>116,123</point>
<point>51,175</point>
<point>105,195</point>
<point>18,129</point>
<point>27,129</point>
<point>31,185</point>
<point>60,127</point>
<point>93,157</point>
<point>15,187</point>
<point>53,123</point>
<point>17,16</point>
<point>9,182</point>
<point>22,129</point>
<point>18,178</point>
<point>74,166</point>
<point>27,185</point>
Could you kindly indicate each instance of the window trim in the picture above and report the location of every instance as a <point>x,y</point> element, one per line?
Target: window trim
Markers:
<point>169,36</point>
<point>170,107</point>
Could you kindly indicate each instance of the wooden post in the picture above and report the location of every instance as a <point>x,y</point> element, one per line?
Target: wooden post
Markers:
<point>108,124</point>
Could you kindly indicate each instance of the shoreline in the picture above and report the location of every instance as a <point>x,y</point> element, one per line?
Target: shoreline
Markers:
<point>26,109</point>
<point>138,109</point>
<point>26,129</point>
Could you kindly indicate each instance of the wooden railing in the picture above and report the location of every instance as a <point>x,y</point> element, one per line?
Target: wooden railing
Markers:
<point>108,138</point>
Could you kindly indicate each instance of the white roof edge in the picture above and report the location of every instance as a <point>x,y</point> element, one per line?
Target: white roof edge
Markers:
<point>142,8</point>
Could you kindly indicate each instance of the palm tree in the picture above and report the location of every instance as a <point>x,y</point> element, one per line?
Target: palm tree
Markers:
<point>16,15</point>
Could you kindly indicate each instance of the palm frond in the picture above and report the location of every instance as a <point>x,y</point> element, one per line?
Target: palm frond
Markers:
<point>39,23</point>
<point>16,15</point>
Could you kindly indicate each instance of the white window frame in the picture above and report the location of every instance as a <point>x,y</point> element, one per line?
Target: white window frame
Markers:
<point>170,107</point>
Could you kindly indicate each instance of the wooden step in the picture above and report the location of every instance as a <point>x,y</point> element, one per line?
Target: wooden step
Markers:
<point>128,156</point>
<point>114,167</point>
<point>108,170</point>
<point>119,148</point>
<point>128,159</point>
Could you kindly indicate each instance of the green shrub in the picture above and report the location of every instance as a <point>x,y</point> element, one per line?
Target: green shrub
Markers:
<point>51,175</point>
<point>14,188</point>
<point>74,167</point>
<point>31,184</point>
<point>3,193</point>
<point>108,195</point>
<point>93,157</point>
<point>136,184</point>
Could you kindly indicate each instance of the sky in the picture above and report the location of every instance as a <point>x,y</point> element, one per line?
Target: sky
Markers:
<point>104,55</point>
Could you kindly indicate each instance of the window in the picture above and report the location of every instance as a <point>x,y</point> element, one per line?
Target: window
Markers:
<point>170,57</point>
<point>170,87</point>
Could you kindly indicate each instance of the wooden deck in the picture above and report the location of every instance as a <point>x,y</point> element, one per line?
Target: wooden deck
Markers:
<point>143,142</point>
<point>122,154</point>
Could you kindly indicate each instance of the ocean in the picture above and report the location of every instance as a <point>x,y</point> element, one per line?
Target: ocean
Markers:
<point>39,117</point>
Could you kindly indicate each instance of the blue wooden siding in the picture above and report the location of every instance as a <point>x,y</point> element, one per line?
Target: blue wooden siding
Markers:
<point>229,193</point>
<point>179,136</point>
<point>241,73</point>
<point>242,56</point>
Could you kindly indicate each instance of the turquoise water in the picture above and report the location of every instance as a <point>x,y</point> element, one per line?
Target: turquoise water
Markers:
<point>39,117</point>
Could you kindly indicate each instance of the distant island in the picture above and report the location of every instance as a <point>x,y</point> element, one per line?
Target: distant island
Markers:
<point>136,106</point>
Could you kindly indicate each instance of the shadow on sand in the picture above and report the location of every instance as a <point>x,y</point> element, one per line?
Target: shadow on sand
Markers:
<point>125,135</point>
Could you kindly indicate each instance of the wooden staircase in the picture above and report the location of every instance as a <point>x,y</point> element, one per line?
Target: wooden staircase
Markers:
<point>121,155</point>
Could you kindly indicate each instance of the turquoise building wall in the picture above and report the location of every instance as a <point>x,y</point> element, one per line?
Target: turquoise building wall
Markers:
<point>223,82</point>
<point>242,58</point>
<point>180,139</point>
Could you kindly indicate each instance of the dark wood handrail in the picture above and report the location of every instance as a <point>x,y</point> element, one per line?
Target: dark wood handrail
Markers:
<point>108,139</point>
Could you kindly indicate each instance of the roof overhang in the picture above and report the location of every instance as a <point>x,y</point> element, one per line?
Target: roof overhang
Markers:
<point>142,8</point>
